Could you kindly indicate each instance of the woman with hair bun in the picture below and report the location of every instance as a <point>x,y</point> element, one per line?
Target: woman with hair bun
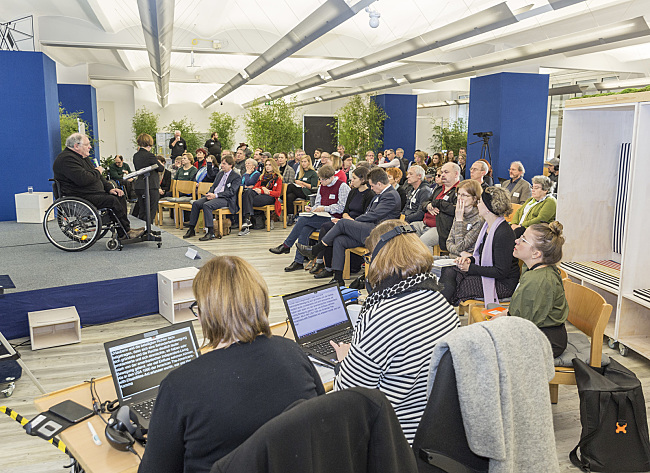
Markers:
<point>540,295</point>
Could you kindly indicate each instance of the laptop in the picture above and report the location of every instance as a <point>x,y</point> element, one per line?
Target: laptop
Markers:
<point>317,316</point>
<point>140,362</point>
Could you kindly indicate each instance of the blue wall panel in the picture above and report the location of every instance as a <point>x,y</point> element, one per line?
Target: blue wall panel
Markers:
<point>399,127</point>
<point>82,98</point>
<point>514,107</point>
<point>29,123</point>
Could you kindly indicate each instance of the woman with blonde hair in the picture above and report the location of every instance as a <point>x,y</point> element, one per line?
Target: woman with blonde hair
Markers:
<point>490,272</point>
<point>305,184</point>
<point>337,164</point>
<point>266,191</point>
<point>400,322</point>
<point>209,406</point>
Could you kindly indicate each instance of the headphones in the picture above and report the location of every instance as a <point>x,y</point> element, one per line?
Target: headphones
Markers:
<point>385,238</point>
<point>123,429</point>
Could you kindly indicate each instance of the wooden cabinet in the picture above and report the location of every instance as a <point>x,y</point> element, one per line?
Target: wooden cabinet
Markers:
<point>175,294</point>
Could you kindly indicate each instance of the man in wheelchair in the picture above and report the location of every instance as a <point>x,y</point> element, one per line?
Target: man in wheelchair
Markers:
<point>78,177</point>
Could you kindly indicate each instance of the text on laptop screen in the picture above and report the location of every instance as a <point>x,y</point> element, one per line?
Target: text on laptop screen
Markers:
<point>142,364</point>
<point>318,310</point>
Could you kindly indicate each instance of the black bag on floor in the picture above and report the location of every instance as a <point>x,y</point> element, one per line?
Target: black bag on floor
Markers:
<point>613,415</point>
<point>259,221</point>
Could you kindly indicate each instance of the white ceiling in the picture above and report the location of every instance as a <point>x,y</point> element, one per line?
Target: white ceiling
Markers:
<point>107,36</point>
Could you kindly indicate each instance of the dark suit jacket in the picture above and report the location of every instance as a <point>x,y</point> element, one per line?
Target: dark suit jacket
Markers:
<point>383,207</point>
<point>231,191</point>
<point>142,159</point>
<point>445,219</point>
<point>77,175</point>
<point>413,208</point>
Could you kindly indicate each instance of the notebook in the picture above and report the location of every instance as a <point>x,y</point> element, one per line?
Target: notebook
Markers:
<point>140,362</point>
<point>317,316</point>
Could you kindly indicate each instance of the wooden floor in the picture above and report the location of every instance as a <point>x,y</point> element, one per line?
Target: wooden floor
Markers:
<point>57,368</point>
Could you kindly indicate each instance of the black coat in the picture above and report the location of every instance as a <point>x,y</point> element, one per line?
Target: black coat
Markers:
<point>142,159</point>
<point>230,191</point>
<point>214,148</point>
<point>445,219</point>
<point>77,175</point>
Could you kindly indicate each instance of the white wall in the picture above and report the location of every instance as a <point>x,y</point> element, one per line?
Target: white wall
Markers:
<point>122,99</point>
<point>106,128</point>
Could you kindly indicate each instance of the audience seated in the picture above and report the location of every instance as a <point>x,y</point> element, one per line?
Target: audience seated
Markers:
<point>467,221</point>
<point>370,157</point>
<point>439,209</point>
<point>418,193</point>
<point>116,172</point>
<point>331,197</point>
<point>489,180</point>
<point>353,233</point>
<point>206,408</point>
<point>553,166</point>
<point>394,176</point>
<point>266,191</point>
<point>337,164</point>
<point>419,159</point>
<point>142,159</point>
<point>491,272</point>
<point>211,167</point>
<point>251,176</point>
<point>477,172</point>
<point>240,161</point>
<point>304,185</point>
<point>348,167</point>
<point>390,160</point>
<point>176,166</point>
<point>539,208</point>
<point>356,204</point>
<point>436,161</point>
<point>539,297</point>
<point>78,176</point>
<point>518,187</point>
<point>187,172</point>
<point>165,179</point>
<point>200,154</point>
<point>399,324</point>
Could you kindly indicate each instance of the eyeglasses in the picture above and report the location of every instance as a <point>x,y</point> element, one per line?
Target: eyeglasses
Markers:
<point>367,257</point>
<point>524,240</point>
<point>195,309</point>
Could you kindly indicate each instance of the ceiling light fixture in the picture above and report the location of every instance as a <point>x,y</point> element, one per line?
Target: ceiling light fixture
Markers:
<point>374,17</point>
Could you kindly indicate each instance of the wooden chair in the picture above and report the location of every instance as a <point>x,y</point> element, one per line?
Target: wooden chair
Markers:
<point>181,187</point>
<point>201,190</point>
<point>267,209</point>
<point>359,250</point>
<point>589,313</point>
<point>563,274</point>
<point>219,213</point>
<point>514,209</point>
<point>165,204</point>
<point>438,252</point>
<point>299,206</point>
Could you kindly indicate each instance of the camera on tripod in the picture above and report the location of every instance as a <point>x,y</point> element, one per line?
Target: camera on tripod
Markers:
<point>483,134</point>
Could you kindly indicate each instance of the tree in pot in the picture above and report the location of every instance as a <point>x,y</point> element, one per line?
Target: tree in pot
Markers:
<point>360,124</point>
<point>274,126</point>
<point>145,121</point>
<point>226,126</point>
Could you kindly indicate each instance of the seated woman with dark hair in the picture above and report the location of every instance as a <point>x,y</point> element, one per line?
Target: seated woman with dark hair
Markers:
<point>266,191</point>
<point>540,297</point>
<point>490,272</point>
<point>305,184</point>
<point>209,406</point>
<point>400,322</point>
<point>356,204</point>
<point>330,197</point>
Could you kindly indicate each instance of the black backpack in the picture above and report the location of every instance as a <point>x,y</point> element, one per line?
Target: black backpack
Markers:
<point>613,415</point>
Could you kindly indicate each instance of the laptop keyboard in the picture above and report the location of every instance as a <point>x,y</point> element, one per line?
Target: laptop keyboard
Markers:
<point>144,408</point>
<point>324,347</point>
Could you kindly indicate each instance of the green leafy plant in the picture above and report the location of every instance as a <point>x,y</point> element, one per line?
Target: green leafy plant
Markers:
<point>360,125</point>
<point>274,126</point>
<point>144,121</point>
<point>624,91</point>
<point>69,125</point>
<point>106,163</point>
<point>226,126</point>
<point>449,135</point>
<point>193,138</point>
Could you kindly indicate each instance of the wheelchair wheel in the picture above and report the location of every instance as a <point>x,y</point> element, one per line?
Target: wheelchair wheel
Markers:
<point>72,224</point>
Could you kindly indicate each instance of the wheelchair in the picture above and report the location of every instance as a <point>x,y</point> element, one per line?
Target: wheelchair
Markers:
<point>74,224</point>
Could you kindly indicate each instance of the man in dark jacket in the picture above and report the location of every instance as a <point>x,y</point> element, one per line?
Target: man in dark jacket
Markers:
<point>418,193</point>
<point>177,144</point>
<point>222,194</point>
<point>78,177</point>
<point>213,146</point>
<point>352,233</point>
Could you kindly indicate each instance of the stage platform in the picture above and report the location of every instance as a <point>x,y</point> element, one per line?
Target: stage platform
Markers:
<point>103,285</point>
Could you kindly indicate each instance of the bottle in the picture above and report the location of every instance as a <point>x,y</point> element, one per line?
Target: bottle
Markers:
<point>30,189</point>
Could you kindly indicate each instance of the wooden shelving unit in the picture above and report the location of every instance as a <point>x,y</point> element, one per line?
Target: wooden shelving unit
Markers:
<point>175,294</point>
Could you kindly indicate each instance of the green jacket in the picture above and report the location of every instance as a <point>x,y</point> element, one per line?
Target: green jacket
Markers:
<point>542,212</point>
<point>116,173</point>
<point>310,177</point>
<point>540,297</point>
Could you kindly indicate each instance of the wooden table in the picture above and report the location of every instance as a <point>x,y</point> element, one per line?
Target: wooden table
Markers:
<point>103,458</point>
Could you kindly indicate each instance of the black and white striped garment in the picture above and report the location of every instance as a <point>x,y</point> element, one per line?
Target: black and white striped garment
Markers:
<point>391,351</point>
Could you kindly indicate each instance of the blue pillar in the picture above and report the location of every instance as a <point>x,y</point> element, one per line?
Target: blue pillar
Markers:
<point>514,107</point>
<point>399,127</point>
<point>82,98</point>
<point>29,123</point>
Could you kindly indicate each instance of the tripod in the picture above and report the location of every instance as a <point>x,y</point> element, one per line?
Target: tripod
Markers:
<point>485,149</point>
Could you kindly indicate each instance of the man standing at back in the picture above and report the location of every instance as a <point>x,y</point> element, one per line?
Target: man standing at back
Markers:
<point>519,188</point>
<point>352,233</point>
<point>177,145</point>
<point>213,145</point>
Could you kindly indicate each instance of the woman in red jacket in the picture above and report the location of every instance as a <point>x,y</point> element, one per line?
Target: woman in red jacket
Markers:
<point>266,191</point>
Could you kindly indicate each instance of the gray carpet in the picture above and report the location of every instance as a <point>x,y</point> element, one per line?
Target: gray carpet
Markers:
<point>33,262</point>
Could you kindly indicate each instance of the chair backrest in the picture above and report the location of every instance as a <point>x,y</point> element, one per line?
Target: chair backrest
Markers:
<point>514,209</point>
<point>588,312</point>
<point>172,187</point>
<point>186,187</point>
<point>203,188</point>
<point>563,273</point>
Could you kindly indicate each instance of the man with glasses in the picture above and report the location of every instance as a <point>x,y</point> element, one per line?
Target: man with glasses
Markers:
<point>518,187</point>
<point>477,172</point>
<point>419,192</point>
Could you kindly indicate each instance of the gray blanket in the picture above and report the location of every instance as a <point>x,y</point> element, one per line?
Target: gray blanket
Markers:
<point>502,372</point>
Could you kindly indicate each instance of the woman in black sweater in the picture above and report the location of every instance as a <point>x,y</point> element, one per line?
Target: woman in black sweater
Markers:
<point>209,406</point>
<point>491,272</point>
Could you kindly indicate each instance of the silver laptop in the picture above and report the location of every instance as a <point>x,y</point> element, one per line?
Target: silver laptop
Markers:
<point>317,316</point>
<point>140,362</point>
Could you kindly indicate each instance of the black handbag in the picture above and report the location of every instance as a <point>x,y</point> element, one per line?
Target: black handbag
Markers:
<point>613,415</point>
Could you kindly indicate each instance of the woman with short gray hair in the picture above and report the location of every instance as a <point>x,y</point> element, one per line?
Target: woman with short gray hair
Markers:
<point>540,208</point>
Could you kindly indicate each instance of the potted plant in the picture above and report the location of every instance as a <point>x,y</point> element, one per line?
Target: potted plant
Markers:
<point>449,135</point>
<point>274,126</point>
<point>144,121</point>
<point>226,126</point>
<point>360,125</point>
<point>188,131</point>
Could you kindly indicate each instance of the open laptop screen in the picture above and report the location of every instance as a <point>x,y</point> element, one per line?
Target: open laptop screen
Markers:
<point>315,310</point>
<point>139,363</point>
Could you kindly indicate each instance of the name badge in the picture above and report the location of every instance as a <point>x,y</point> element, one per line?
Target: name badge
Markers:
<point>332,196</point>
<point>305,179</point>
<point>469,225</point>
<point>376,200</point>
<point>445,197</point>
<point>515,194</point>
<point>228,185</point>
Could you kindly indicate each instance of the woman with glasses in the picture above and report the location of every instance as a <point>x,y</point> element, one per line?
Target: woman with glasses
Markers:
<point>538,209</point>
<point>244,378</point>
<point>400,322</point>
<point>540,295</point>
<point>467,222</point>
<point>490,272</point>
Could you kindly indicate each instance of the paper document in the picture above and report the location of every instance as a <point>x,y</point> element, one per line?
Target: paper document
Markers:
<point>444,262</point>
<point>309,214</point>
